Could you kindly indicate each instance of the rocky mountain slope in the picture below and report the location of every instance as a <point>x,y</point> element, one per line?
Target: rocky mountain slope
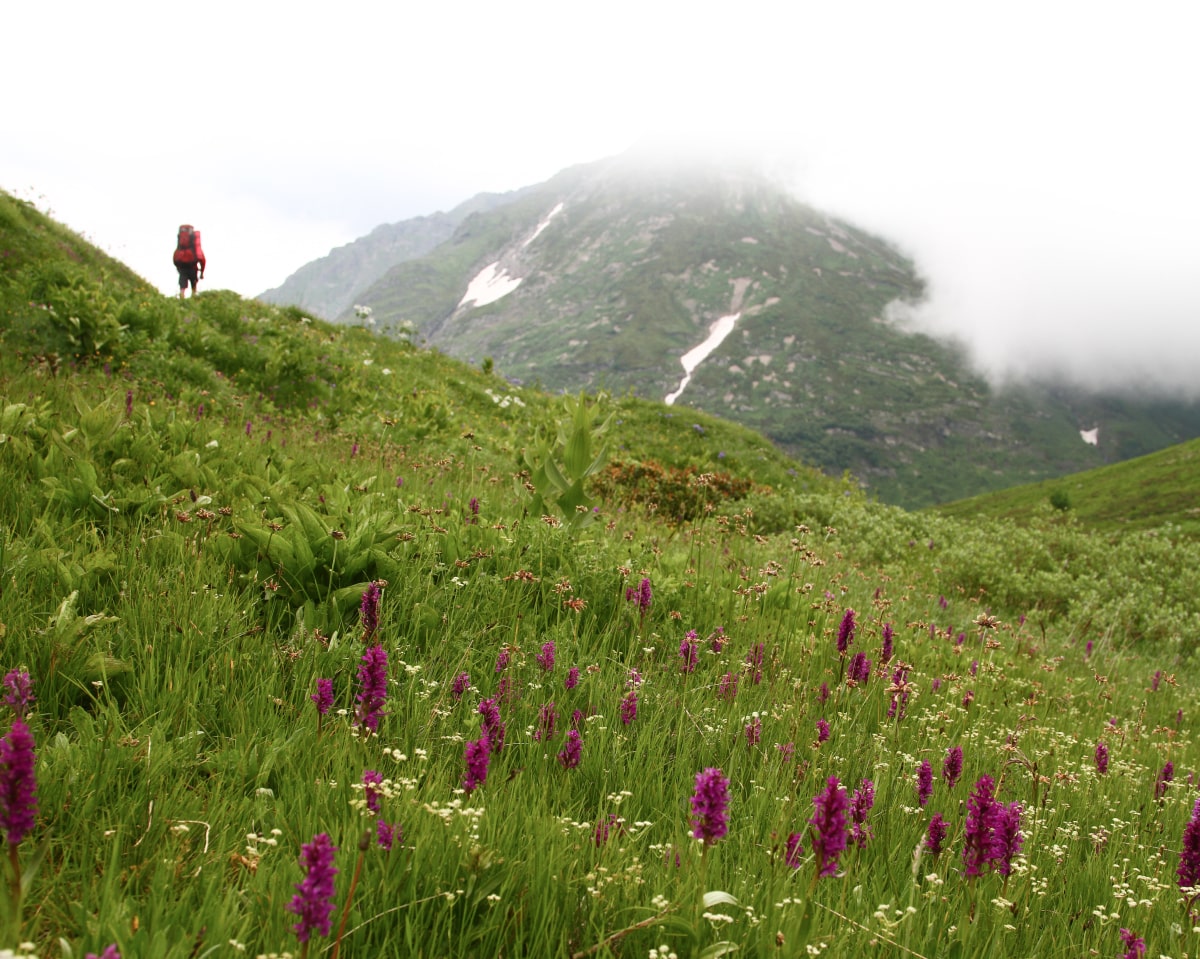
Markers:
<point>627,276</point>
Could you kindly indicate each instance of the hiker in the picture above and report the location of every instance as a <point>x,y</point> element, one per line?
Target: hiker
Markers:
<point>188,257</point>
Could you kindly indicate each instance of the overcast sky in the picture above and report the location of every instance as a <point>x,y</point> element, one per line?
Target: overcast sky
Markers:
<point>1039,160</point>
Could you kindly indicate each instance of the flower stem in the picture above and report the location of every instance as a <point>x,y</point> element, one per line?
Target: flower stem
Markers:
<point>363,844</point>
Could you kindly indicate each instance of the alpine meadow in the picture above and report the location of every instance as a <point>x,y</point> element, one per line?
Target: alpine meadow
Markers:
<point>316,642</point>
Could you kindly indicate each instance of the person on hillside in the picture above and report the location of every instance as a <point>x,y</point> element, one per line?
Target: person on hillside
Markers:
<point>189,257</point>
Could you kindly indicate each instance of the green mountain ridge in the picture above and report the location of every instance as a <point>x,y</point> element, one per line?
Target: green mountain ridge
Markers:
<point>623,269</point>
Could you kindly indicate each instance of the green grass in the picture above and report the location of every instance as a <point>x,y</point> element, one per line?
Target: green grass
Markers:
<point>176,579</point>
<point>1158,490</point>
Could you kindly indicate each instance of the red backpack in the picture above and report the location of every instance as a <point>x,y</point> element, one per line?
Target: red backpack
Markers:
<point>187,245</point>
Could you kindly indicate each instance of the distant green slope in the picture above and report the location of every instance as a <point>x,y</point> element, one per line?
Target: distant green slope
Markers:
<point>1144,493</point>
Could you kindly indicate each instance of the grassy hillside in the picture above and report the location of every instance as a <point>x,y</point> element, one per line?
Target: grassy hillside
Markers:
<point>278,598</point>
<point>1149,492</point>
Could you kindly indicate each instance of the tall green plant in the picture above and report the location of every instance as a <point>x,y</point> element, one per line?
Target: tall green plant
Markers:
<point>558,470</point>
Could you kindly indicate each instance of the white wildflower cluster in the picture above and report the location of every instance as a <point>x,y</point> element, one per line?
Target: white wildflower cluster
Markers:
<point>505,401</point>
<point>1105,916</point>
<point>663,952</point>
<point>888,918</point>
<point>255,842</point>
<point>274,955</point>
<point>25,951</point>
<point>454,810</point>
<point>617,798</point>
<point>816,948</point>
<point>364,314</point>
<point>602,876</point>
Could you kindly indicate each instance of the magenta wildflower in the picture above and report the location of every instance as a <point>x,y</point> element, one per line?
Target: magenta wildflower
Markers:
<point>981,814</point>
<point>1155,680</point>
<point>822,730</point>
<point>372,691</point>
<point>128,403</point>
<point>1165,775</point>
<point>641,595</point>
<point>19,691</point>
<point>477,755</point>
<point>829,826</point>
<point>572,679</point>
<point>110,952</point>
<point>935,835</point>
<point>629,707</point>
<point>823,694</point>
<point>570,755</point>
<point>753,730</point>
<point>578,718</point>
<point>1101,757</point>
<point>547,721</point>
<point>371,779</point>
<point>387,835</point>
<point>607,826</point>
<point>313,901</point>
<point>924,782</point>
<point>786,751</point>
<point>794,850</point>
<point>18,786</point>
<point>860,804</point>
<point>688,652</point>
<point>717,639</point>
<point>885,654</point>
<point>952,766</point>
<point>710,806</point>
<point>754,660</point>
<point>506,690</point>
<point>502,659</point>
<point>1135,946</point>
<point>1088,649</point>
<point>323,697</point>
<point>462,682</point>
<point>899,690</point>
<point>493,728</point>
<point>1188,872</point>
<point>845,635</point>
<point>968,698</point>
<point>1006,838</point>
<point>545,658</point>
<point>634,680</point>
<point>935,684</point>
<point>474,506</point>
<point>860,668</point>
<point>728,687</point>
<point>974,668</point>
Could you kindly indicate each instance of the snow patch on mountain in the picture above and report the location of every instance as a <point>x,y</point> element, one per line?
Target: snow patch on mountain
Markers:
<point>1091,437</point>
<point>545,223</point>
<point>490,284</point>
<point>698,354</point>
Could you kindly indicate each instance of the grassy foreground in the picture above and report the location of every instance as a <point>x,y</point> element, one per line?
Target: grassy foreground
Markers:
<point>195,508</point>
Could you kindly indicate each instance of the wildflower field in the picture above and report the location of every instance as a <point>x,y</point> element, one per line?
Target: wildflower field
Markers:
<point>318,644</point>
